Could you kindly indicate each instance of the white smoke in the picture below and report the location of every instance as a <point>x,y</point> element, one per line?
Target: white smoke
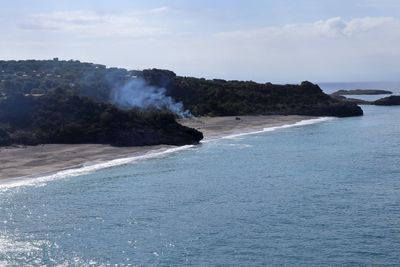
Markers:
<point>137,93</point>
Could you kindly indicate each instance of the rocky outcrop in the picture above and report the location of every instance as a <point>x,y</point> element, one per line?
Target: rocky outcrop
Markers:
<point>66,119</point>
<point>388,101</point>
<point>200,96</point>
<point>363,92</point>
<point>232,98</point>
<point>342,109</point>
<point>352,100</point>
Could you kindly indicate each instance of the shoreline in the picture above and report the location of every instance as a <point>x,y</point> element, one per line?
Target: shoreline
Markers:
<point>23,166</point>
<point>215,128</point>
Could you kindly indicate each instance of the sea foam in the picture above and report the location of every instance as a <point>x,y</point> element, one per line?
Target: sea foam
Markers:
<point>87,168</point>
<point>285,126</point>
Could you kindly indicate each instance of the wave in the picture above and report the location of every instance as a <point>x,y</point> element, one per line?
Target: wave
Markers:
<point>92,167</point>
<point>285,126</point>
<point>87,168</point>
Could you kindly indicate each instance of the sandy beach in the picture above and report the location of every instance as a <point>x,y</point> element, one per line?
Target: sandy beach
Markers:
<point>217,127</point>
<point>43,159</point>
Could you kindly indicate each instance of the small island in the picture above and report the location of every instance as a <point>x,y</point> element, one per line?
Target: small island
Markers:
<point>393,100</point>
<point>362,92</point>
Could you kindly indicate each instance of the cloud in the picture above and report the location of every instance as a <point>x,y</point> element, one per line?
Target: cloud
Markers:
<point>372,25</point>
<point>332,28</point>
<point>353,49</point>
<point>159,9</point>
<point>92,24</point>
<point>331,49</point>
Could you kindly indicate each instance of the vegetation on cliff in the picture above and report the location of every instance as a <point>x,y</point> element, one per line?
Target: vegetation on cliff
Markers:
<point>70,119</point>
<point>54,101</point>
<point>222,98</point>
<point>393,100</point>
<point>199,96</point>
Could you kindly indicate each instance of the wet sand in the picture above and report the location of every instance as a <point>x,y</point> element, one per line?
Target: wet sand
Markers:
<point>43,159</point>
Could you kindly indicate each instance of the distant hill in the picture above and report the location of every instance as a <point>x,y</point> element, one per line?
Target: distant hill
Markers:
<point>199,96</point>
<point>221,98</point>
<point>393,100</point>
<point>363,92</point>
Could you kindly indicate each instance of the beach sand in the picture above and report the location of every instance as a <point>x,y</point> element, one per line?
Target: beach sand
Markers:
<point>39,160</point>
<point>217,127</point>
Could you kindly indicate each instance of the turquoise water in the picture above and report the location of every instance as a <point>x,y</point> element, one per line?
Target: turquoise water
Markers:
<point>321,194</point>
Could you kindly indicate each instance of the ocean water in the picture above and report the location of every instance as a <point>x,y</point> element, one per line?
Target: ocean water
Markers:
<point>326,193</point>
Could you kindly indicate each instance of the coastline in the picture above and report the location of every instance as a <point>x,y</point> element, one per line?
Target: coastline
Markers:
<point>230,126</point>
<point>47,162</point>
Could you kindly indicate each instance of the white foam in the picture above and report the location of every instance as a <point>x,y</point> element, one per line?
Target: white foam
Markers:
<point>88,168</point>
<point>275,128</point>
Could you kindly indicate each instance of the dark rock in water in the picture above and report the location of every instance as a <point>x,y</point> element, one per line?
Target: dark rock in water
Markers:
<point>363,92</point>
<point>358,101</point>
<point>352,100</point>
<point>344,109</point>
<point>393,100</point>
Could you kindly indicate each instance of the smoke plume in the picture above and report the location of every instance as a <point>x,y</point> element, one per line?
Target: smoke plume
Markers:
<point>137,93</point>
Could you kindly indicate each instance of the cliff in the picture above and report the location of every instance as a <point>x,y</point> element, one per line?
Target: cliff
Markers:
<point>393,100</point>
<point>70,119</point>
<point>199,96</point>
<point>230,98</point>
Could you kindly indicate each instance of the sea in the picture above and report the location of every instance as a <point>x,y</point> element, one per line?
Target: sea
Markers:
<point>319,193</point>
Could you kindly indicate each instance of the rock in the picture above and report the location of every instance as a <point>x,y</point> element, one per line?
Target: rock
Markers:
<point>393,100</point>
<point>340,109</point>
<point>352,100</point>
<point>70,119</point>
<point>363,92</point>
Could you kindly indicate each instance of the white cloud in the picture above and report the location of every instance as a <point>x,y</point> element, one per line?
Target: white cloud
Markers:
<point>325,50</point>
<point>373,25</point>
<point>159,9</point>
<point>91,24</point>
<point>332,28</point>
<point>331,49</point>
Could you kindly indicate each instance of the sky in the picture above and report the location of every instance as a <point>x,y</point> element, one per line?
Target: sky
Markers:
<point>281,41</point>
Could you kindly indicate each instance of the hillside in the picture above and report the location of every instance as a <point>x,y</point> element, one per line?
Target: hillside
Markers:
<point>228,98</point>
<point>162,88</point>
<point>393,100</point>
<point>70,119</point>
